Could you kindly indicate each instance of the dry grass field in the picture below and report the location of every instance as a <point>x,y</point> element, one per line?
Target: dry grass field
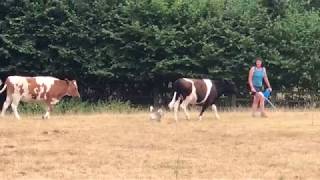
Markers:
<point>128,146</point>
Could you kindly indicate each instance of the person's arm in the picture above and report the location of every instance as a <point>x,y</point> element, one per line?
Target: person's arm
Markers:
<point>250,79</point>
<point>266,80</point>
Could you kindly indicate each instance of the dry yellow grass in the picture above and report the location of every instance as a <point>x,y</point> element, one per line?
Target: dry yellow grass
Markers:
<point>128,146</point>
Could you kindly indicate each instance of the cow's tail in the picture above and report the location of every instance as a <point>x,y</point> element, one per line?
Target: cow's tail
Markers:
<point>4,87</point>
<point>173,101</point>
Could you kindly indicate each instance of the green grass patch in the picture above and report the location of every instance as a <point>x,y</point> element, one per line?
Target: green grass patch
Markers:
<point>77,106</point>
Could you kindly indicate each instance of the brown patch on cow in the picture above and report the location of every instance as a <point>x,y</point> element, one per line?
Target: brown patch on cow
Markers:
<point>201,89</point>
<point>183,87</point>
<point>213,94</point>
<point>57,90</point>
<point>33,87</point>
<point>10,87</point>
<point>21,90</point>
<point>61,88</point>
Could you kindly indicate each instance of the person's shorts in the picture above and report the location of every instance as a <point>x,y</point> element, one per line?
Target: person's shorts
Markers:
<point>258,89</point>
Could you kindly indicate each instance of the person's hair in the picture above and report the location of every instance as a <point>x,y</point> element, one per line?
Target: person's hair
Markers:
<point>260,59</point>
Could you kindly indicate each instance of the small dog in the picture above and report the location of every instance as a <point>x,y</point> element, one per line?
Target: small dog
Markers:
<point>156,115</point>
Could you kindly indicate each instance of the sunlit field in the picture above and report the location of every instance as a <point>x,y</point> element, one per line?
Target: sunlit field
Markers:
<point>129,146</point>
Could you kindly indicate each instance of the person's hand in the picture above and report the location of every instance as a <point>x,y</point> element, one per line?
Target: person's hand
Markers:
<point>270,89</point>
<point>253,90</point>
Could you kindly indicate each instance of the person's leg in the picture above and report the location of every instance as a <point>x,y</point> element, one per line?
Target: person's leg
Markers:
<point>261,105</point>
<point>255,104</point>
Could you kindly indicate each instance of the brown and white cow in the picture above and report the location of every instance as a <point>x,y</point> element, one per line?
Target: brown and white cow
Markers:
<point>203,92</point>
<point>37,89</point>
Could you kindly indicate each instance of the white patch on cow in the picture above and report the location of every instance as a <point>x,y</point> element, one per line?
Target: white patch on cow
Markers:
<point>171,104</point>
<point>184,106</point>
<point>35,90</point>
<point>18,83</point>
<point>54,101</point>
<point>75,84</point>
<point>209,86</point>
<point>41,92</point>
<point>176,108</point>
<point>14,106</point>
<point>214,109</point>
<point>192,98</point>
<point>46,80</point>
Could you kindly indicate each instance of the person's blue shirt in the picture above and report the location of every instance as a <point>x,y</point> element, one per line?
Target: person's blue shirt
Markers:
<point>258,75</point>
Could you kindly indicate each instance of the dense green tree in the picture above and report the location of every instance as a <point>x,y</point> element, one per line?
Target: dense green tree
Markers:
<point>126,48</point>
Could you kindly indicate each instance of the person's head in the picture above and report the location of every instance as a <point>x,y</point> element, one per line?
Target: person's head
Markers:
<point>259,62</point>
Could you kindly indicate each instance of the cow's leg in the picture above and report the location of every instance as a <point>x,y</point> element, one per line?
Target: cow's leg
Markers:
<point>14,106</point>
<point>47,114</point>
<point>184,106</point>
<point>5,105</point>
<point>214,108</point>
<point>49,109</point>
<point>176,109</point>
<point>204,107</point>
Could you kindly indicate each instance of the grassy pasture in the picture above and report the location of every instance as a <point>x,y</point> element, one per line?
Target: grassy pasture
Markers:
<point>128,146</point>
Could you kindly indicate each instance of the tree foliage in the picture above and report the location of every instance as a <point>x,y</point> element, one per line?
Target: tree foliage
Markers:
<point>127,47</point>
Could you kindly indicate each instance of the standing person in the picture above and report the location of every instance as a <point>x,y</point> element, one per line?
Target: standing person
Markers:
<point>257,74</point>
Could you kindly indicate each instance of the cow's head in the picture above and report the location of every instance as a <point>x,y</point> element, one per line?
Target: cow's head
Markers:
<point>229,87</point>
<point>72,88</point>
